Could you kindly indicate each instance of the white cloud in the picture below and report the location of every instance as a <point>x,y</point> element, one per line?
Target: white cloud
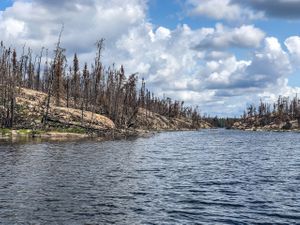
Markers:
<point>12,28</point>
<point>245,36</point>
<point>161,33</point>
<point>37,23</point>
<point>293,46</point>
<point>271,63</point>
<point>224,9</point>
<point>216,9</point>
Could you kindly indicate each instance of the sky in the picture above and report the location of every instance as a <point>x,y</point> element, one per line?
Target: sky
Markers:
<point>220,55</point>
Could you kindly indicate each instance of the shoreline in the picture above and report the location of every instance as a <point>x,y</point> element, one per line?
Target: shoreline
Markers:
<point>111,135</point>
<point>259,129</point>
<point>54,136</point>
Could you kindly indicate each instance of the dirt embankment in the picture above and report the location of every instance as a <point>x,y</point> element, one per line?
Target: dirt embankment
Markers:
<point>64,122</point>
<point>32,108</point>
<point>147,120</point>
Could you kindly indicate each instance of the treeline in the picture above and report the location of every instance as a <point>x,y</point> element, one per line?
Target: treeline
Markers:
<point>220,122</point>
<point>92,88</point>
<point>283,110</point>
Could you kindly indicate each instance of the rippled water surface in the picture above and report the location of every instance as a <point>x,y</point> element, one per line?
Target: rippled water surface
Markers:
<point>205,177</point>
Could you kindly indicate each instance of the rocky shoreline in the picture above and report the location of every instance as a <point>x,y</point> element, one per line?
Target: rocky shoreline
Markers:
<point>29,135</point>
<point>65,123</point>
<point>255,124</point>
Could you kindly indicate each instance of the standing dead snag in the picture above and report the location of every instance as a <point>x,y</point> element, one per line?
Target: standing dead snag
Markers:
<point>86,84</point>
<point>38,72</point>
<point>98,71</point>
<point>13,87</point>
<point>76,81</point>
<point>58,76</point>
<point>8,82</point>
<point>58,52</point>
<point>130,103</point>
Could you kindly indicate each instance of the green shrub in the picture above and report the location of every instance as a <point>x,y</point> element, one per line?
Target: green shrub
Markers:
<point>76,130</point>
<point>5,131</point>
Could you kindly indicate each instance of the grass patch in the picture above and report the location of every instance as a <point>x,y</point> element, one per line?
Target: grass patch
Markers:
<point>29,132</point>
<point>24,132</point>
<point>74,130</point>
<point>5,131</point>
<point>37,132</point>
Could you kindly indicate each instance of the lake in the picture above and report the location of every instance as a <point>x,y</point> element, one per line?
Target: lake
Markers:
<point>197,177</point>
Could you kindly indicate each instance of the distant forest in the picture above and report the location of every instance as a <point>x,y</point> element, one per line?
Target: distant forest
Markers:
<point>285,109</point>
<point>94,87</point>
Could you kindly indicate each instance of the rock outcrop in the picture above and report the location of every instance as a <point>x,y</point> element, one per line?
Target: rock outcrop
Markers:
<point>272,124</point>
<point>32,106</point>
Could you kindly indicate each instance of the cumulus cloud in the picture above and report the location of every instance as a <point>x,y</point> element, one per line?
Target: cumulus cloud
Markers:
<point>84,22</point>
<point>224,9</point>
<point>164,57</point>
<point>264,76</point>
<point>271,64</point>
<point>293,45</point>
<point>246,36</point>
<point>266,67</point>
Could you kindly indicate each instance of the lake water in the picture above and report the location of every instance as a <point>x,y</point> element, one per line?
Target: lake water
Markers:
<point>204,177</point>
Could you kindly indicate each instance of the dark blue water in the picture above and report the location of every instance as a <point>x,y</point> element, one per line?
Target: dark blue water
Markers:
<point>205,177</point>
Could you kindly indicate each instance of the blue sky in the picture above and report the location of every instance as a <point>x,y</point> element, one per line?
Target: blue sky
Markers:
<point>218,54</point>
<point>5,3</point>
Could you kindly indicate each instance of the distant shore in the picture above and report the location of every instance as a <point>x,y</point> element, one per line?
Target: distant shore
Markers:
<point>253,124</point>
